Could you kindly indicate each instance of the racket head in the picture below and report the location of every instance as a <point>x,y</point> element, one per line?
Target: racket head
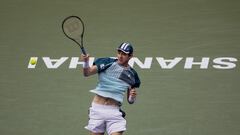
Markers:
<point>73,28</point>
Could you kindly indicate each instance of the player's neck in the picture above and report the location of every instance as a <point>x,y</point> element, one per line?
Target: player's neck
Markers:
<point>125,65</point>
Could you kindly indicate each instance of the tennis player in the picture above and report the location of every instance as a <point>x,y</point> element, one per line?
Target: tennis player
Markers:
<point>115,78</point>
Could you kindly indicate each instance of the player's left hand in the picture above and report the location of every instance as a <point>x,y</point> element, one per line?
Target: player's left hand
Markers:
<point>133,92</point>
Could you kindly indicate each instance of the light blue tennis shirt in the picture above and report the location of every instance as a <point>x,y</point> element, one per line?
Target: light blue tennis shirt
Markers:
<point>114,79</point>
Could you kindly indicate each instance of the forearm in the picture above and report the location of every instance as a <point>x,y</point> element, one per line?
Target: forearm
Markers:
<point>87,71</point>
<point>86,68</point>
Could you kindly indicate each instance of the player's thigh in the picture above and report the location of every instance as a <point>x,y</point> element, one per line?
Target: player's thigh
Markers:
<point>96,133</point>
<point>117,133</point>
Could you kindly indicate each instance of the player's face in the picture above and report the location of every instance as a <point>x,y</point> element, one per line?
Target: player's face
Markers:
<point>123,58</point>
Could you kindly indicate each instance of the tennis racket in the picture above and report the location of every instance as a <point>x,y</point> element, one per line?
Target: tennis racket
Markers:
<point>73,28</point>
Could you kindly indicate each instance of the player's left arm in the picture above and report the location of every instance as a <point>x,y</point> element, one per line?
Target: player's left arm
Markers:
<point>132,95</point>
<point>132,92</point>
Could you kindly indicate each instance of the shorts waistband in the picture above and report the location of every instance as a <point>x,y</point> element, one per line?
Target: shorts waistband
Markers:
<point>95,105</point>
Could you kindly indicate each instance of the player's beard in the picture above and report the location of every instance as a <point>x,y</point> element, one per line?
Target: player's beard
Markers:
<point>123,62</point>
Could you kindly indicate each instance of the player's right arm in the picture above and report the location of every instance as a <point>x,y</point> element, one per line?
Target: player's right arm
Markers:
<point>87,70</point>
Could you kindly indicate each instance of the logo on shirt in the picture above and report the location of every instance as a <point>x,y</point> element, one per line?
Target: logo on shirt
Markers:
<point>101,66</point>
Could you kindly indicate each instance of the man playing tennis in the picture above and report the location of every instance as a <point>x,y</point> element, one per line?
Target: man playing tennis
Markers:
<point>115,78</point>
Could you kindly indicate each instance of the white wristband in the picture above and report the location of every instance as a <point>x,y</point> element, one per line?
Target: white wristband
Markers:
<point>85,64</point>
<point>131,99</point>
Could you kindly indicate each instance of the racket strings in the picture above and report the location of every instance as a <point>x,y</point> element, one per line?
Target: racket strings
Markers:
<point>73,28</point>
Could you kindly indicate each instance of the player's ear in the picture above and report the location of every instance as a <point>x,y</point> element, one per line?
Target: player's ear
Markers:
<point>130,55</point>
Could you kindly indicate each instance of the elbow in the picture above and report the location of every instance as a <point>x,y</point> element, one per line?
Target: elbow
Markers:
<point>85,74</point>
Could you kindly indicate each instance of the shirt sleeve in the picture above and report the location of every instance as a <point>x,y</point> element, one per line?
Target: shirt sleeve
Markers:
<point>103,63</point>
<point>137,79</point>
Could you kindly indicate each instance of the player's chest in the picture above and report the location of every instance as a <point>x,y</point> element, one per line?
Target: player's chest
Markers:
<point>124,74</point>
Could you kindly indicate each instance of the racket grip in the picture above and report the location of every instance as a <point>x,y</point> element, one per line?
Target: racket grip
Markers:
<point>83,51</point>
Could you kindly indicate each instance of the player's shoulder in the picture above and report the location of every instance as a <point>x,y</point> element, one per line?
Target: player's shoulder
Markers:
<point>104,60</point>
<point>103,63</point>
<point>133,70</point>
<point>136,77</point>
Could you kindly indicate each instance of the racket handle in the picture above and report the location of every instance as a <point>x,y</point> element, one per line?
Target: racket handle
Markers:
<point>83,51</point>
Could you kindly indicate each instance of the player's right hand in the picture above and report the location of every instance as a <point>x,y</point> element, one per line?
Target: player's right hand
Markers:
<point>85,57</point>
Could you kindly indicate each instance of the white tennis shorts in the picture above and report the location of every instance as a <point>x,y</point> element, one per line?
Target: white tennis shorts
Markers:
<point>105,118</point>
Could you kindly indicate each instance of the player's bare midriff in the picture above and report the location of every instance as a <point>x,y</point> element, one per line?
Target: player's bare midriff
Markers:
<point>105,101</point>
